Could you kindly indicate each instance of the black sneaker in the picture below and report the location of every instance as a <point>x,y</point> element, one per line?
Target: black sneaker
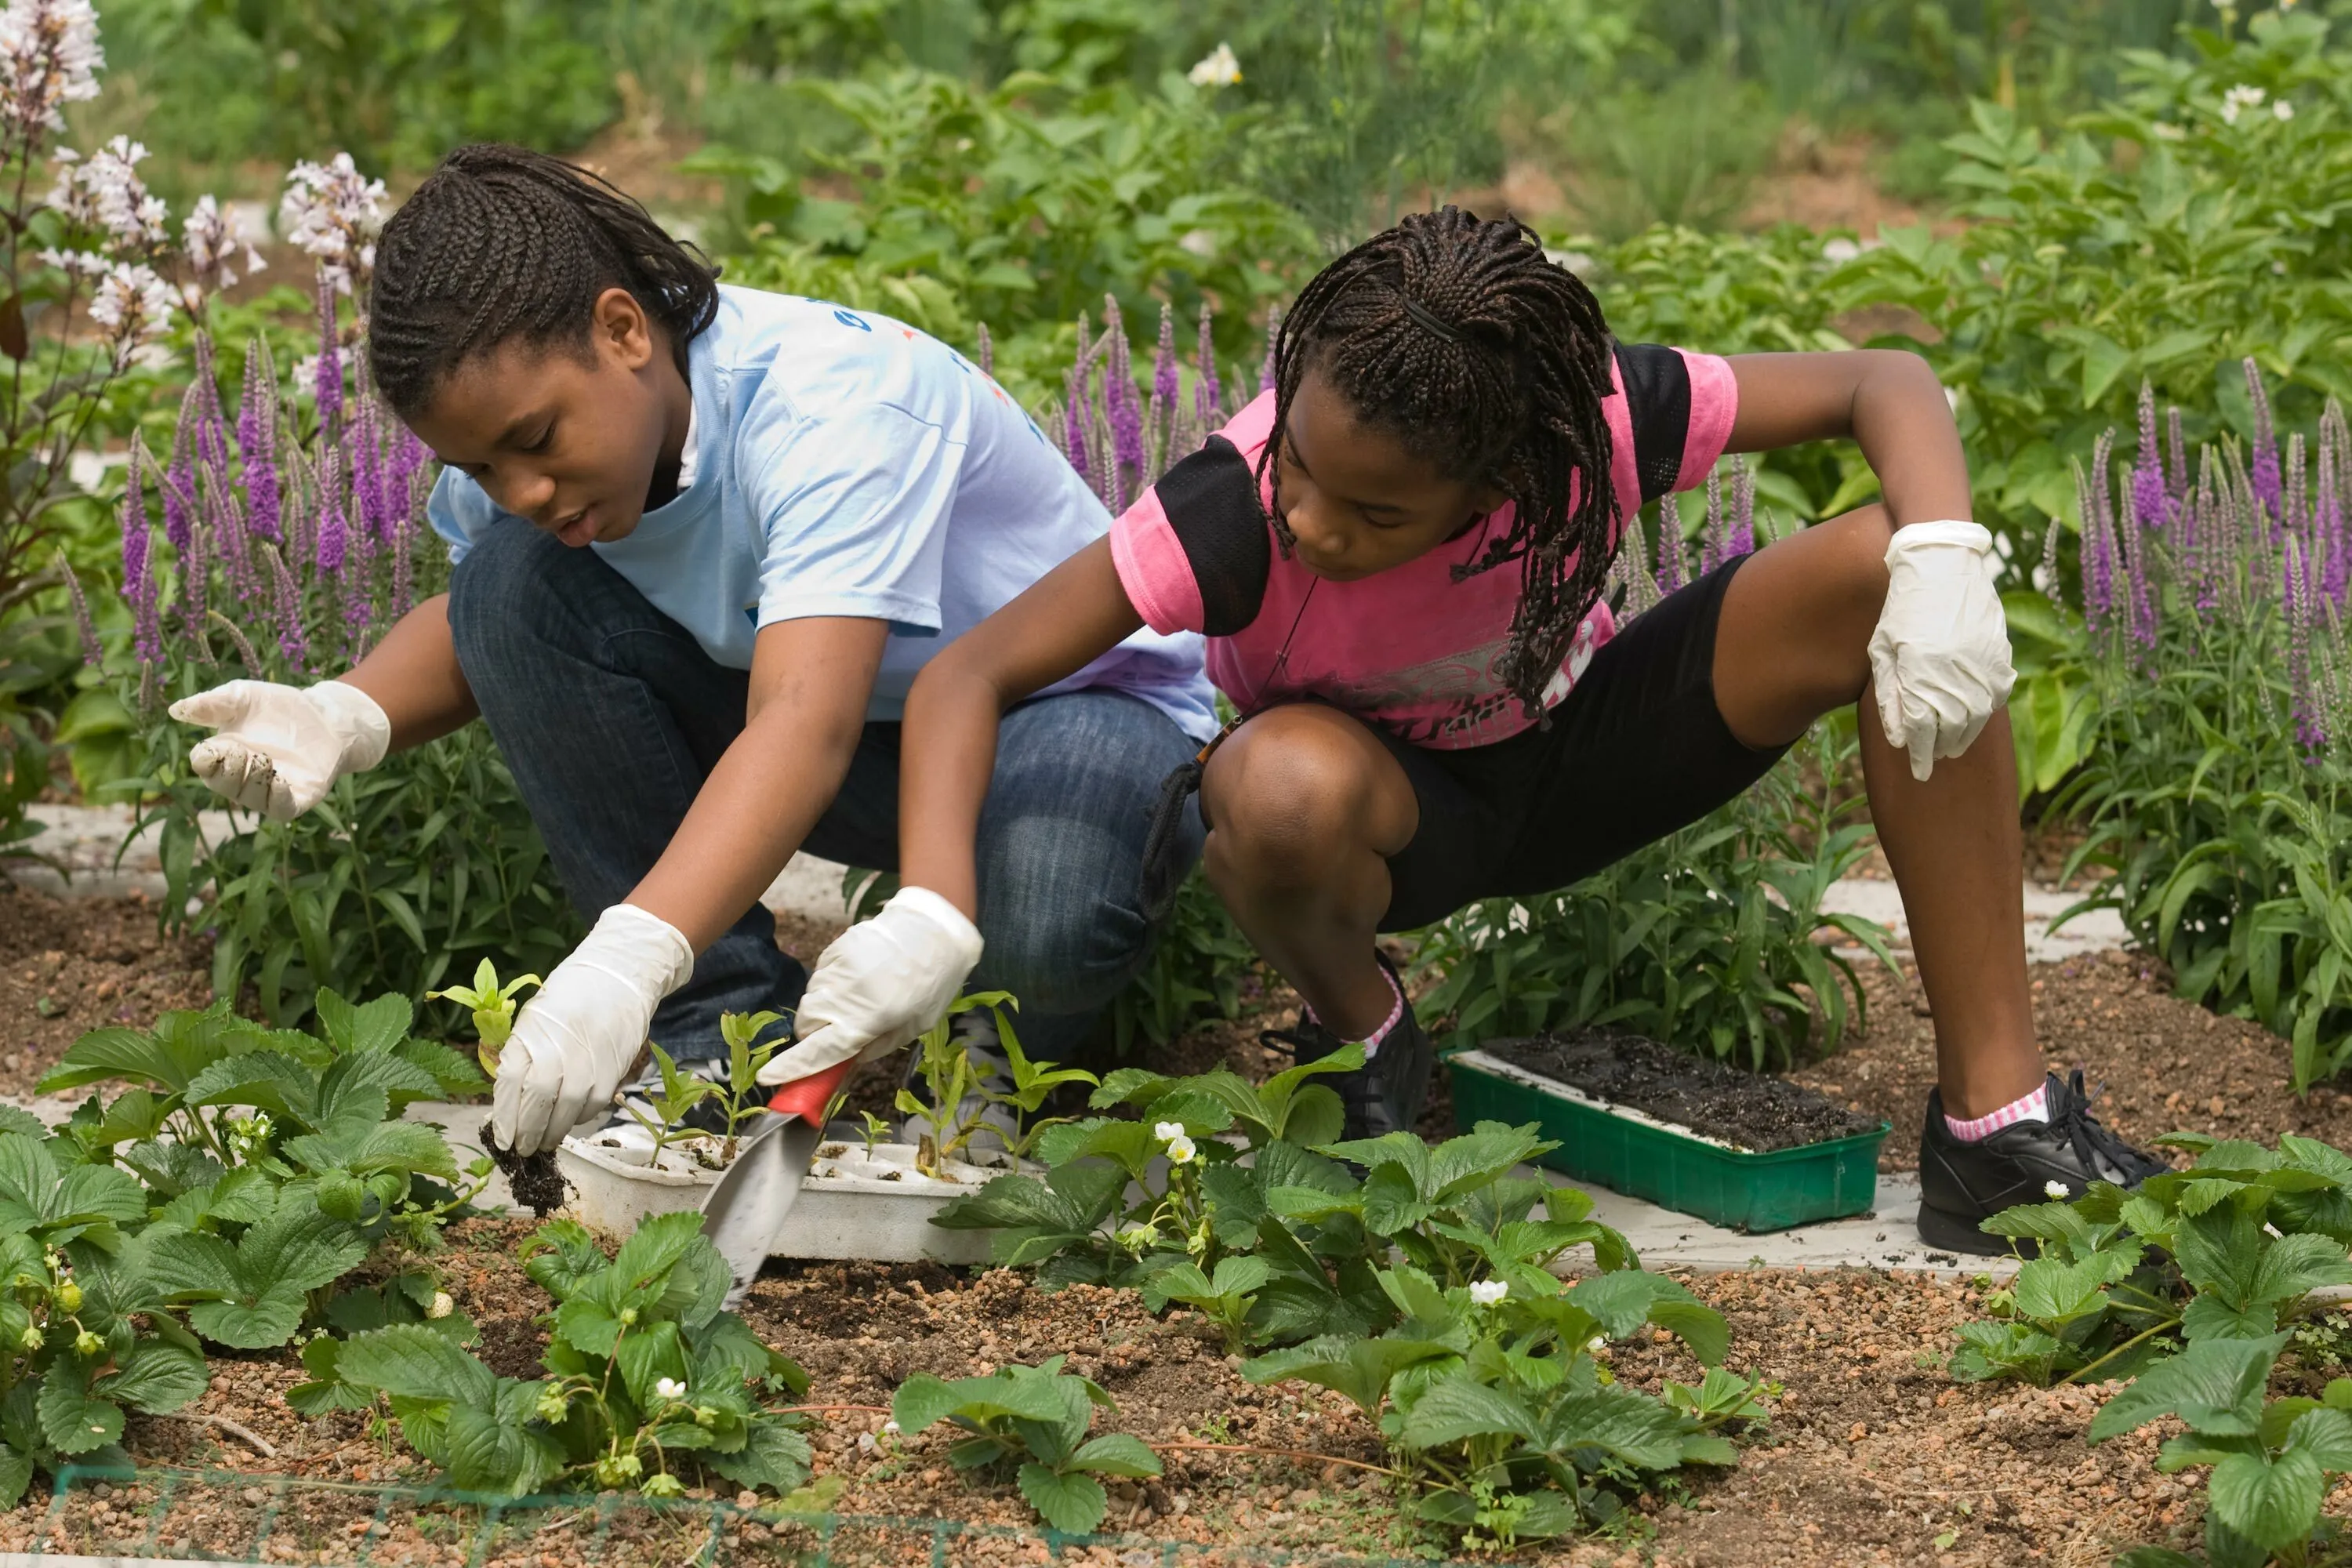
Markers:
<point>1385,1094</point>
<point>2026,1162</point>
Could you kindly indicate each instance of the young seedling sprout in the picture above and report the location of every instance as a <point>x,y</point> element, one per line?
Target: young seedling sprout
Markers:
<point>960,1095</point>
<point>493,1006</point>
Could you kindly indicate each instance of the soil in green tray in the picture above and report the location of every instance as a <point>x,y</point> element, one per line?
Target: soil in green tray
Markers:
<point>1710,1098</point>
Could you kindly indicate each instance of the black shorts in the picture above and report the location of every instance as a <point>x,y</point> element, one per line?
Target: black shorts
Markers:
<point>1636,750</point>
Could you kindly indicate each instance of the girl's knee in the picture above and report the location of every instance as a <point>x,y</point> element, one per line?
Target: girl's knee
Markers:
<point>1286,797</point>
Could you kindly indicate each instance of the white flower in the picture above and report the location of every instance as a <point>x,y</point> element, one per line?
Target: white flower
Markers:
<point>2165,130</point>
<point>1840,250</point>
<point>2282,109</point>
<point>1217,68</point>
<point>2056,1191</point>
<point>1168,1132</point>
<point>2240,99</point>
<point>1181,1150</point>
<point>1487,1292</point>
<point>86,263</point>
<point>1596,1344</point>
<point>104,191</point>
<point>48,57</point>
<point>330,211</point>
<point>211,237</point>
<point>443,1305</point>
<point>890,1427</point>
<point>669,1388</point>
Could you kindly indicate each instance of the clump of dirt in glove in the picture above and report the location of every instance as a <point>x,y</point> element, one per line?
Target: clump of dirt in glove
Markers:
<point>533,1178</point>
<point>1710,1098</point>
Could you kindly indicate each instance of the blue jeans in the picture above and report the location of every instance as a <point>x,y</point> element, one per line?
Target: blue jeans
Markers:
<point>611,716</point>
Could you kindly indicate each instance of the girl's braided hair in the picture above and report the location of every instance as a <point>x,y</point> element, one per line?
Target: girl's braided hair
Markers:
<point>1484,357</point>
<point>503,243</point>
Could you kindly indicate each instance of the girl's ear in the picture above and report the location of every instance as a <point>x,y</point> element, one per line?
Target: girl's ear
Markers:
<point>620,331</point>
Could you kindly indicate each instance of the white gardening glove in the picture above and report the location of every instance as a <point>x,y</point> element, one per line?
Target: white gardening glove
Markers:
<point>1940,655</point>
<point>574,1040</point>
<point>879,984</point>
<point>280,747</point>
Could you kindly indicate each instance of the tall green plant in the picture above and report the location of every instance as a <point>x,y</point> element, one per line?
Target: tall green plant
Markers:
<point>293,535</point>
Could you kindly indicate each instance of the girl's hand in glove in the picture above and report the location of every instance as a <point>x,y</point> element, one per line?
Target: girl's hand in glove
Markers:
<point>881,982</point>
<point>1940,655</point>
<point>574,1040</point>
<point>280,747</point>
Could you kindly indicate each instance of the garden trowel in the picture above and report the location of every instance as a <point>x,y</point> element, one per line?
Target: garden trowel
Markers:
<point>746,1210</point>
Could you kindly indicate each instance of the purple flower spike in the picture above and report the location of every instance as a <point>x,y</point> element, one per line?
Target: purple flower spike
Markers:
<point>1743,510</point>
<point>358,582</point>
<point>293,641</point>
<point>179,476</point>
<point>2176,453</point>
<point>257,444</point>
<point>1208,398</point>
<point>1074,422</point>
<point>2296,597</point>
<point>404,569</point>
<point>1715,534</point>
<point>2264,472</point>
<point>2150,499</point>
<point>367,473</point>
<point>334,539</point>
<point>1165,384</point>
<point>331,357</point>
<point>1670,547</point>
<point>2098,560</point>
<point>93,652</point>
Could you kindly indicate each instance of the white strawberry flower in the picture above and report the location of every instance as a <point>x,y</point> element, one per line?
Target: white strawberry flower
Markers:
<point>1167,1132</point>
<point>1596,1344</point>
<point>1487,1292</point>
<point>2056,1191</point>
<point>1218,68</point>
<point>1181,1150</point>
<point>669,1388</point>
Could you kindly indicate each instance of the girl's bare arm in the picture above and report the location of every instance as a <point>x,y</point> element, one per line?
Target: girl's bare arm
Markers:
<point>1889,401</point>
<point>1068,618</point>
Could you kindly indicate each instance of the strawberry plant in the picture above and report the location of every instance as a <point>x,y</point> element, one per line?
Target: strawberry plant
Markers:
<point>82,1337</point>
<point>648,1383</point>
<point>492,1008</point>
<point>1038,1417</point>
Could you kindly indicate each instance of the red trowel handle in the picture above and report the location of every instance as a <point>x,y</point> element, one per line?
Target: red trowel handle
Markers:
<point>806,1098</point>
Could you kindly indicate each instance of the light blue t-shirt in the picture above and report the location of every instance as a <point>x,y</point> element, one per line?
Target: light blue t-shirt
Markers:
<point>847,465</point>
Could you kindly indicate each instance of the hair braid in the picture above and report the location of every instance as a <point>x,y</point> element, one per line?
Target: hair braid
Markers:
<point>1487,359</point>
<point>501,243</point>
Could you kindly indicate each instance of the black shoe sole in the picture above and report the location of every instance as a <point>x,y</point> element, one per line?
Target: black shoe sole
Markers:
<point>1957,1233</point>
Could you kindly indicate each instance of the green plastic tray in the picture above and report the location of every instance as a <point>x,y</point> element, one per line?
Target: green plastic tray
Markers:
<point>1647,1159</point>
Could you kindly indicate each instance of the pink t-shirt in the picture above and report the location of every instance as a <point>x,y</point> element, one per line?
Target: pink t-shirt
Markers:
<point>1410,648</point>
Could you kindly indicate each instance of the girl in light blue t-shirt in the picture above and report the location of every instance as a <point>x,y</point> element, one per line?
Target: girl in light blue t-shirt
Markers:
<point>704,538</point>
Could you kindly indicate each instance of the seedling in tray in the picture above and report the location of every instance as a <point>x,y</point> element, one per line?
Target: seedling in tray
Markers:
<point>957,1094</point>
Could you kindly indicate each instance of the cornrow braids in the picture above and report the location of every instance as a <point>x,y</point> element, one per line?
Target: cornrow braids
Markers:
<point>502,243</point>
<point>1459,338</point>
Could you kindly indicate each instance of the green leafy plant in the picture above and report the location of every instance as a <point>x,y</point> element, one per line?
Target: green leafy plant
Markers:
<point>1494,1395</point>
<point>2274,1461</point>
<point>1037,1417</point>
<point>492,1006</point>
<point>2217,795</point>
<point>957,1095</point>
<point>2230,1248</point>
<point>274,1161</point>
<point>649,1383</point>
<point>401,869</point>
<point>82,1333</point>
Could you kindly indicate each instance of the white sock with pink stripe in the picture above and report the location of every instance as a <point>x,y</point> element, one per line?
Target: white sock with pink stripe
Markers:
<point>1371,1042</point>
<point>2034,1107</point>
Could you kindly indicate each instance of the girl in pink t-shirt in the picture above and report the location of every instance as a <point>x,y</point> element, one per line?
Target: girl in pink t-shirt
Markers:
<point>1397,557</point>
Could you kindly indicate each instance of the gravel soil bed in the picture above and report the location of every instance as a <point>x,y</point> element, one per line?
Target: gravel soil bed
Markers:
<point>2160,1064</point>
<point>72,966</point>
<point>1873,1455</point>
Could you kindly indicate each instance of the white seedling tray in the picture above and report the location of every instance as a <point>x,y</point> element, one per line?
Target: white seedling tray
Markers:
<point>854,1204</point>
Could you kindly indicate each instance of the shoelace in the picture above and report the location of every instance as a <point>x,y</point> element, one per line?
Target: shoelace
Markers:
<point>2095,1143</point>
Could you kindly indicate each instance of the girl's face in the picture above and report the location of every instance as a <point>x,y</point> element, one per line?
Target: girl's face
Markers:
<point>1355,501</point>
<point>570,441</point>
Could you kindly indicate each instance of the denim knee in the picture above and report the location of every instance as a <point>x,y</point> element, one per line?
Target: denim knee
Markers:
<point>1058,915</point>
<point>518,590</point>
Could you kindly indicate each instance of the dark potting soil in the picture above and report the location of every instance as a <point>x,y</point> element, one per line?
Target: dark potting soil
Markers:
<point>533,1178</point>
<point>1710,1098</point>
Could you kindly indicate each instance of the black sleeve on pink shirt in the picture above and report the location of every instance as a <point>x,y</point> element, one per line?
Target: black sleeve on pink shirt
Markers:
<point>1658,408</point>
<point>1211,499</point>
